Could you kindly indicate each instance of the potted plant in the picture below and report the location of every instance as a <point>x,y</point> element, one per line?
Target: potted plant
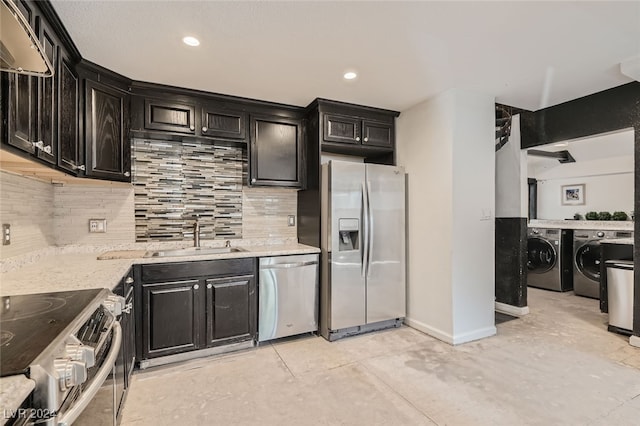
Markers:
<point>591,216</point>
<point>620,216</point>
<point>604,216</point>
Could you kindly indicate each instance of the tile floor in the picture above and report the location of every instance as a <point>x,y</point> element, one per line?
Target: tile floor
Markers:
<point>556,366</point>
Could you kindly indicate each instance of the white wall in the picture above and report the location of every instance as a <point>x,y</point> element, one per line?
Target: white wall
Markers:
<point>602,193</point>
<point>447,148</point>
<point>511,176</point>
<point>423,143</point>
<point>473,220</point>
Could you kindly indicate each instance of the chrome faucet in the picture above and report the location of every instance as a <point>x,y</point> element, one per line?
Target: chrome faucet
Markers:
<point>196,232</point>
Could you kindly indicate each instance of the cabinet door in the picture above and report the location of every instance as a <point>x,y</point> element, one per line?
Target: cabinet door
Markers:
<point>69,153</point>
<point>338,128</point>
<point>23,101</point>
<point>224,124</point>
<point>169,116</point>
<point>231,309</point>
<point>170,318</point>
<point>376,133</point>
<point>106,139</point>
<point>47,101</point>
<point>275,152</point>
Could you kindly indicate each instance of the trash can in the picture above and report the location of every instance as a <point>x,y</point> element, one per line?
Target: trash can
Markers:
<point>620,293</point>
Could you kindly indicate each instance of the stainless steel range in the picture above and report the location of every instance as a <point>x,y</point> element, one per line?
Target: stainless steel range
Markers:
<point>67,342</point>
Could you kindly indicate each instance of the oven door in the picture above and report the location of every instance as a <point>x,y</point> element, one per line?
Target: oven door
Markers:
<point>96,405</point>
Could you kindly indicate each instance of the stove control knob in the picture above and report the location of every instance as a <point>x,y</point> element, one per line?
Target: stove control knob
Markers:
<point>83,353</point>
<point>70,373</point>
<point>600,234</point>
<point>114,304</point>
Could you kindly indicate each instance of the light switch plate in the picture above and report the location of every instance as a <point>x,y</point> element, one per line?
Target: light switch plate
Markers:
<point>291,220</point>
<point>97,225</point>
<point>6,234</point>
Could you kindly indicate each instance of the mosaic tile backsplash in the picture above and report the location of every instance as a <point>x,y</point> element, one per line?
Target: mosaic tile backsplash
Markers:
<point>175,181</point>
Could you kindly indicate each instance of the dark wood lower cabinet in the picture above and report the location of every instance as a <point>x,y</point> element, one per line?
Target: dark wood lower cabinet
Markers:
<point>185,306</point>
<point>171,317</point>
<point>229,313</point>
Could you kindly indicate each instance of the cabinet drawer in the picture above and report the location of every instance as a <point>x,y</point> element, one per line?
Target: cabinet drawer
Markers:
<point>169,116</point>
<point>377,133</point>
<point>176,270</point>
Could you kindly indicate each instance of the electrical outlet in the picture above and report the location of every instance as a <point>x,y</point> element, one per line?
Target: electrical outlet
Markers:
<point>6,234</point>
<point>97,225</point>
<point>291,220</point>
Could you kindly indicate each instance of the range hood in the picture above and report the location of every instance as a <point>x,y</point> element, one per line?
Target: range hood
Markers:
<point>20,51</point>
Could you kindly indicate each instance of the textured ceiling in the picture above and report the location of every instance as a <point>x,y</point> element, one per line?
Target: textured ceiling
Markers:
<point>526,54</point>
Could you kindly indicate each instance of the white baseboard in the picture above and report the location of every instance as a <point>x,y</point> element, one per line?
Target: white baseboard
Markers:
<point>634,341</point>
<point>511,310</point>
<point>448,338</point>
<point>474,335</point>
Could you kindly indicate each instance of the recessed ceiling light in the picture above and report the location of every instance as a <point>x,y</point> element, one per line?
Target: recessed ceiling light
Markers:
<point>350,75</point>
<point>191,41</point>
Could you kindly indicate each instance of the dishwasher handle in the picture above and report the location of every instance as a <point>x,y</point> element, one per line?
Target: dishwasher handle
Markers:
<point>289,265</point>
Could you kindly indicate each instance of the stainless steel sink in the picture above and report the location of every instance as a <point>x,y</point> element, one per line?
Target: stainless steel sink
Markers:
<point>193,251</point>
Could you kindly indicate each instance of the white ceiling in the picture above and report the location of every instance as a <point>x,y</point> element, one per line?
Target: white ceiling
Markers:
<point>526,54</point>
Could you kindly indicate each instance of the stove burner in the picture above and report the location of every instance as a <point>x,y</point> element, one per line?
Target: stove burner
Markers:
<point>32,308</point>
<point>5,337</point>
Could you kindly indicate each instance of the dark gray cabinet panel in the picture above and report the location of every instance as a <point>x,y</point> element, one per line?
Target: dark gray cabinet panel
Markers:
<point>22,112</point>
<point>169,116</point>
<point>229,313</point>
<point>69,152</point>
<point>275,151</point>
<point>170,317</point>
<point>47,101</point>
<point>342,129</point>
<point>376,133</point>
<point>224,124</point>
<point>106,134</point>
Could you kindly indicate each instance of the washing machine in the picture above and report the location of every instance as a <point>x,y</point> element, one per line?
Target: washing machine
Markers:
<point>586,259</point>
<point>549,259</point>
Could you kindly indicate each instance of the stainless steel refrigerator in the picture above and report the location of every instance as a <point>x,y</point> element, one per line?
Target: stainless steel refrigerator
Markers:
<point>363,248</point>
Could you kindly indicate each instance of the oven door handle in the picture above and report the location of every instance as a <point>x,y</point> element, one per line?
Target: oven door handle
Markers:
<point>87,395</point>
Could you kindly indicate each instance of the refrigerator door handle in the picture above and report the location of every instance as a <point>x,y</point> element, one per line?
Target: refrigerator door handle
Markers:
<point>365,228</point>
<point>370,230</point>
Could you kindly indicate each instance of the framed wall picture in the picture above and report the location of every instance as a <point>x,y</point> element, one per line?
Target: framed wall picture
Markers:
<point>573,195</point>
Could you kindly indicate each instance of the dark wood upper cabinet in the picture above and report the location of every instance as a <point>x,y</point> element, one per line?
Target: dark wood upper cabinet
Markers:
<point>275,151</point>
<point>22,110</point>
<point>343,129</point>
<point>69,149</point>
<point>47,101</point>
<point>229,310</point>
<point>224,124</point>
<point>376,133</point>
<point>107,147</point>
<point>169,116</point>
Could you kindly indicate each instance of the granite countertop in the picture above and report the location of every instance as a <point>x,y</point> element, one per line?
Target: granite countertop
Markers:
<point>13,391</point>
<point>79,268</point>
<point>605,225</point>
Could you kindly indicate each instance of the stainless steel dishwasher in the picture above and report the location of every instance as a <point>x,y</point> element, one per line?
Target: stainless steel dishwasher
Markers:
<point>288,296</point>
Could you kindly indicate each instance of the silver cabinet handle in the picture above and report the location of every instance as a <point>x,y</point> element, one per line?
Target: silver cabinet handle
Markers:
<point>204,129</point>
<point>358,138</point>
<point>253,180</point>
<point>366,139</point>
<point>127,174</point>
<point>80,167</point>
<point>129,280</point>
<point>47,149</point>
<point>288,265</point>
<point>192,127</point>
<point>127,308</point>
<point>195,287</point>
<point>38,144</point>
<point>209,285</point>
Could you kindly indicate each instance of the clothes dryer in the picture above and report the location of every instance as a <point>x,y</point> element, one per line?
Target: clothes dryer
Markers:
<point>586,259</point>
<point>549,259</point>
